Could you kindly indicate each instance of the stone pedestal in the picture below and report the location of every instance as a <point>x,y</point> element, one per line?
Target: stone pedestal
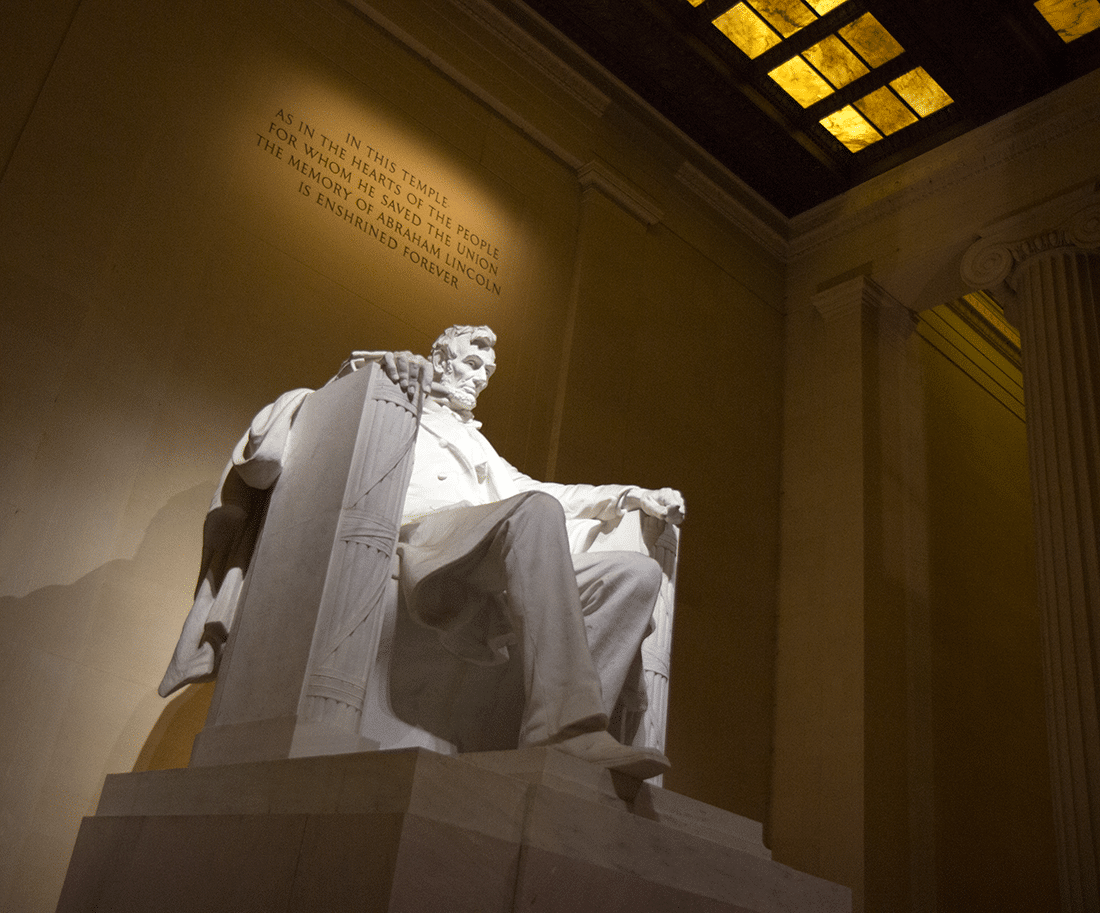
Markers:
<point>411,830</point>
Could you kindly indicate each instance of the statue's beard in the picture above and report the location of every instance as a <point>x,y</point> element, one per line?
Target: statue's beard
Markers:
<point>461,399</point>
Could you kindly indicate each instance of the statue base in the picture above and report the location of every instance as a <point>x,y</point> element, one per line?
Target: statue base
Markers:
<point>412,830</point>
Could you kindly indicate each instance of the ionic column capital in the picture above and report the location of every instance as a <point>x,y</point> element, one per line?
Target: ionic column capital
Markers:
<point>1067,223</point>
<point>992,261</point>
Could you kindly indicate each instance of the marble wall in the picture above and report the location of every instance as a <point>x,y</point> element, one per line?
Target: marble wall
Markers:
<point>855,609</point>
<point>173,256</point>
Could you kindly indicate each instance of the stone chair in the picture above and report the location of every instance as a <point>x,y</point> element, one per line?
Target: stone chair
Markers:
<point>319,655</point>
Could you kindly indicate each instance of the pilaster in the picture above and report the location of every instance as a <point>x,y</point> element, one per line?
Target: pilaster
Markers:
<point>850,560</point>
<point>594,382</point>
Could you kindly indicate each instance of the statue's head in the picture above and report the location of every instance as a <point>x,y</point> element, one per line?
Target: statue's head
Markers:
<point>464,360</point>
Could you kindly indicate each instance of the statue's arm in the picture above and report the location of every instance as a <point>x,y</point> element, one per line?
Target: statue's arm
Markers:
<point>258,456</point>
<point>607,502</point>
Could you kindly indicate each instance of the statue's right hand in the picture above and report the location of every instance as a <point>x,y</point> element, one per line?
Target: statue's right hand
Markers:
<point>663,503</point>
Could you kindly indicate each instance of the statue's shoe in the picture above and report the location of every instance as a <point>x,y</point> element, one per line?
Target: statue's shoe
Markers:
<point>603,749</point>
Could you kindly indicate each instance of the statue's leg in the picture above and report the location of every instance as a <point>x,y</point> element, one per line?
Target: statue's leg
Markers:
<point>519,546</point>
<point>561,686</point>
<point>618,591</point>
<point>564,695</point>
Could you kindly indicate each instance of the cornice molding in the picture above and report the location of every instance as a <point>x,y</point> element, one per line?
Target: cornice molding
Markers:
<point>731,209</point>
<point>1042,123</point>
<point>458,77</point>
<point>597,91</point>
<point>551,66</point>
<point>851,297</point>
<point>599,175</point>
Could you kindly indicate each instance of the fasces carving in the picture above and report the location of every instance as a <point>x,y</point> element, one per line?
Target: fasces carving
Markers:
<point>346,635</point>
<point>415,588</point>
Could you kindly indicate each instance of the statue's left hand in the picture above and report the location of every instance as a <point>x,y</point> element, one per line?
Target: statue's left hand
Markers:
<point>410,372</point>
<point>664,503</point>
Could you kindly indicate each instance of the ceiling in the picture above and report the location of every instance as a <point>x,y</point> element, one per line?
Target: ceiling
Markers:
<point>989,56</point>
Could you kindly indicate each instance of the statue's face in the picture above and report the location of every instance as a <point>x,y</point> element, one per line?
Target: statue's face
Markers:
<point>466,374</point>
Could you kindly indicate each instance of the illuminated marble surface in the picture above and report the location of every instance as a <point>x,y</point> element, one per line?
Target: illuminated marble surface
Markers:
<point>533,830</point>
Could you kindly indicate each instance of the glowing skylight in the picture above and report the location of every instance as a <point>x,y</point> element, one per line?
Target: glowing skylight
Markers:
<point>747,30</point>
<point>851,128</point>
<point>1070,18</point>
<point>756,26</point>
<point>886,110</point>
<point>836,60</point>
<point>852,52</point>
<point>801,81</point>
<point>921,92</point>
<point>785,16</point>
<point>870,40</point>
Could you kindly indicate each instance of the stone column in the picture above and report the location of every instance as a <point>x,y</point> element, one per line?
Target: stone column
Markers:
<point>1049,280</point>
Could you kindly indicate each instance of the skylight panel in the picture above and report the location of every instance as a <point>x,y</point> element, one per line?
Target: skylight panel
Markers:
<point>921,92</point>
<point>801,81</point>
<point>851,53</point>
<point>1070,18</point>
<point>747,30</point>
<point>785,16</point>
<point>834,60</point>
<point>885,110</point>
<point>833,63</point>
<point>756,26</point>
<point>851,128</point>
<point>870,40</point>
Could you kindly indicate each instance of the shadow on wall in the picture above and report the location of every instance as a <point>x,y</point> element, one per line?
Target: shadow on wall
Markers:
<point>181,718</point>
<point>169,743</point>
<point>81,661</point>
<point>79,665</point>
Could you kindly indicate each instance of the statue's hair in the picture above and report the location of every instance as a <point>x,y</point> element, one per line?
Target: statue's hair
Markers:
<point>482,337</point>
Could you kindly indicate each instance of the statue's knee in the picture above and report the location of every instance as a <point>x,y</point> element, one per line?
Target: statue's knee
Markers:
<point>650,572</point>
<point>641,571</point>
<point>544,505</point>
